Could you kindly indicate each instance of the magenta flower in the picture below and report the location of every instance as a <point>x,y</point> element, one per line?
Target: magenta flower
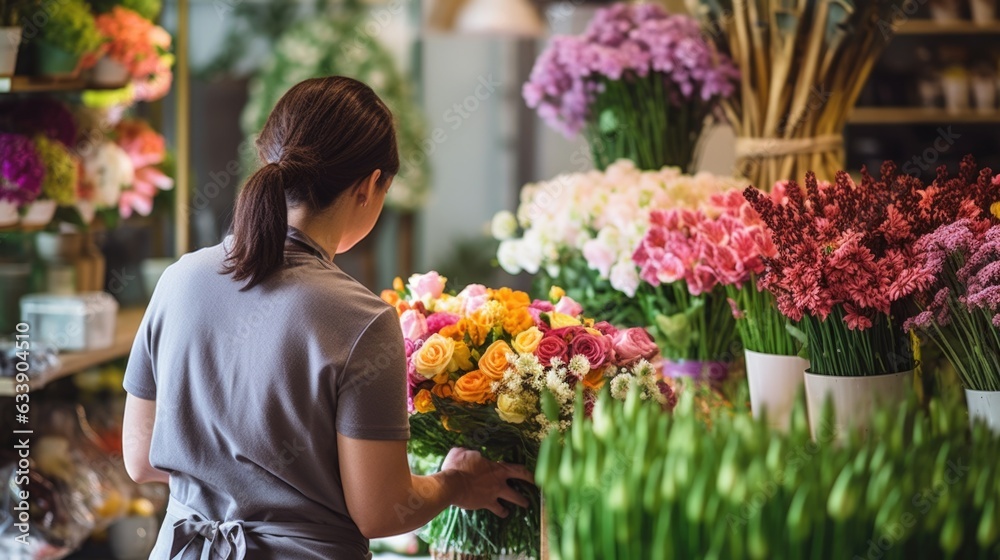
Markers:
<point>21,170</point>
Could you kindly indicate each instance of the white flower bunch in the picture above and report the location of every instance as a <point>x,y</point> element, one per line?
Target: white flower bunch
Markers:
<point>601,216</point>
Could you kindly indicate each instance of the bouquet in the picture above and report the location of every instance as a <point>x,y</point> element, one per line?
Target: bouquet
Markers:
<point>640,82</point>
<point>133,41</point>
<point>21,170</point>
<point>848,264</point>
<point>695,259</point>
<point>961,311</point>
<point>147,151</point>
<point>493,371</point>
<point>581,229</point>
<point>70,28</point>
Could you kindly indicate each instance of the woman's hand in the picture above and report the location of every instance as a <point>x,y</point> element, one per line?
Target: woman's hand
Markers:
<point>477,483</point>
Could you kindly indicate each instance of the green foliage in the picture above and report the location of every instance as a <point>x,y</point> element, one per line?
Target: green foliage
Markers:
<point>595,294</point>
<point>762,328</point>
<point>478,532</point>
<point>645,484</point>
<point>149,9</point>
<point>70,28</point>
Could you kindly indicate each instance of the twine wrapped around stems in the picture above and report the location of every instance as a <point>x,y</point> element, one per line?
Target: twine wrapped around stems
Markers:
<point>803,65</point>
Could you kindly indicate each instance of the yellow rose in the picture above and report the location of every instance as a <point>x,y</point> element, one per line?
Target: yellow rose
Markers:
<point>423,402</point>
<point>473,387</point>
<point>995,209</point>
<point>494,361</point>
<point>461,359</point>
<point>509,410</point>
<point>434,356</point>
<point>527,341</point>
<point>559,320</point>
<point>594,331</point>
<point>556,293</point>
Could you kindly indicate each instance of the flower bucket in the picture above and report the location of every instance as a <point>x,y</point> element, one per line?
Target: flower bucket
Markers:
<point>8,213</point>
<point>984,406</point>
<point>774,383</point>
<point>696,370</point>
<point>984,12</point>
<point>854,400</point>
<point>109,73</point>
<point>55,63</point>
<point>10,41</point>
<point>39,213</point>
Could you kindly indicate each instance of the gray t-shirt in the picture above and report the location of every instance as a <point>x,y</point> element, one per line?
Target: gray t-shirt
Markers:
<point>251,389</point>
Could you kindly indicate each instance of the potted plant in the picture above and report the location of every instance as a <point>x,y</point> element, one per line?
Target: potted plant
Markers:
<point>134,47</point>
<point>59,184</point>
<point>69,34</point>
<point>639,83</point>
<point>10,35</point>
<point>21,173</point>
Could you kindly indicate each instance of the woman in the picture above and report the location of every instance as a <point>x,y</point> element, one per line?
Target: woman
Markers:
<point>258,385</point>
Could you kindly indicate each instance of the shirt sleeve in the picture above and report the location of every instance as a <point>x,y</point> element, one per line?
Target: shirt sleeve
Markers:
<point>371,393</point>
<point>139,379</point>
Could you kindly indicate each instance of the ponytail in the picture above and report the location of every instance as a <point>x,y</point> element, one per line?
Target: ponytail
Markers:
<point>260,225</point>
<point>323,136</point>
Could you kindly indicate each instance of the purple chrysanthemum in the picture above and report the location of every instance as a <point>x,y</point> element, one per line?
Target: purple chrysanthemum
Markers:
<point>21,170</point>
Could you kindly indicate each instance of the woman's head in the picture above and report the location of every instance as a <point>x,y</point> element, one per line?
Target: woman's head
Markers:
<point>326,139</point>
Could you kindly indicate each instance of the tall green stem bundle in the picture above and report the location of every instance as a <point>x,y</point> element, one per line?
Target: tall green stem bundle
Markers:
<point>688,327</point>
<point>635,119</point>
<point>762,328</point>
<point>836,349</point>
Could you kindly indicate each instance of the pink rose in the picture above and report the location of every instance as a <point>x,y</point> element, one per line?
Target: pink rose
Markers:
<point>429,285</point>
<point>567,306</point>
<point>551,347</point>
<point>606,328</point>
<point>473,303</point>
<point>632,344</point>
<point>414,324</point>
<point>543,305</point>
<point>594,348</point>
<point>472,290</point>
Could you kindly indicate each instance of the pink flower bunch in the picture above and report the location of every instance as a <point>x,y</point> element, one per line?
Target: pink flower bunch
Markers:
<point>856,246</point>
<point>133,41</point>
<point>706,249</point>
<point>146,148</point>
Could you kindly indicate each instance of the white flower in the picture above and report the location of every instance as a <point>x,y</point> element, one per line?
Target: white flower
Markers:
<point>579,365</point>
<point>504,225</point>
<point>108,169</point>
<point>625,277</point>
<point>620,386</point>
<point>507,256</point>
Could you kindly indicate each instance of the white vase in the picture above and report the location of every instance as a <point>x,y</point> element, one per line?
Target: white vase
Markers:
<point>984,92</point>
<point>945,11</point>
<point>39,213</point>
<point>109,73</point>
<point>8,213</point>
<point>984,406</point>
<point>10,42</point>
<point>956,93</point>
<point>774,383</point>
<point>984,12</point>
<point>855,399</point>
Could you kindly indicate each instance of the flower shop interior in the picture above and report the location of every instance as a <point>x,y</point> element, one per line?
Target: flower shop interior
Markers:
<point>603,213</point>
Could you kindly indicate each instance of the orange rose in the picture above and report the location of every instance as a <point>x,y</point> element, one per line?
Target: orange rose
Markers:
<point>594,380</point>
<point>473,387</point>
<point>476,330</point>
<point>423,402</point>
<point>518,320</point>
<point>397,284</point>
<point>444,390</point>
<point>390,297</point>
<point>494,363</point>
<point>455,332</point>
<point>441,377</point>
<point>511,299</point>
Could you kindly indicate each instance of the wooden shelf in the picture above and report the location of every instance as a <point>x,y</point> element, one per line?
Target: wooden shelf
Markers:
<point>932,27</point>
<point>32,84</point>
<point>919,115</point>
<point>126,327</point>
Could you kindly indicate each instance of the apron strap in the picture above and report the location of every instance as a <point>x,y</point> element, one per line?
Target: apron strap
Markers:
<point>215,540</point>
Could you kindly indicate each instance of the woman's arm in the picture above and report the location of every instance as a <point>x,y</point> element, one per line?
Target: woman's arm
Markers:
<point>385,499</point>
<point>137,431</point>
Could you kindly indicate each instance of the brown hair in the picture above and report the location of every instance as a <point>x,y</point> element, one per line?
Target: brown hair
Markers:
<point>322,137</point>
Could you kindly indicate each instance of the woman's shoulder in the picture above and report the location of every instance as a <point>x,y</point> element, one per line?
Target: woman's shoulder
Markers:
<point>332,293</point>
